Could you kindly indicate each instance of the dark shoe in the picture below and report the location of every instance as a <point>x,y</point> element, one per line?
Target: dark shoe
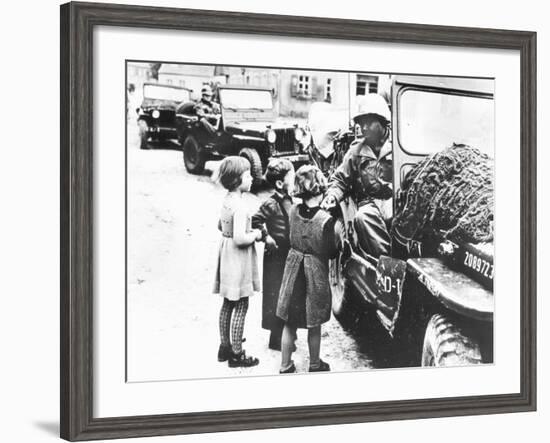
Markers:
<point>323,367</point>
<point>224,352</point>
<point>290,370</point>
<point>241,360</point>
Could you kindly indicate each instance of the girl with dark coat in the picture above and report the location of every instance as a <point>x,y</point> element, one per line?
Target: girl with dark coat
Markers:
<point>272,219</point>
<point>305,297</point>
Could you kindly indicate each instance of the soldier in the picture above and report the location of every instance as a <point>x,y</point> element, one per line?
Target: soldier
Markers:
<point>366,174</point>
<point>207,110</point>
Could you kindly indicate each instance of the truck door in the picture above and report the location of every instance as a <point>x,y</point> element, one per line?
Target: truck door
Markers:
<point>430,114</point>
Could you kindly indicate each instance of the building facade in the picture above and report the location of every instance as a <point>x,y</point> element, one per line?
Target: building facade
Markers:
<point>295,90</point>
<point>188,76</point>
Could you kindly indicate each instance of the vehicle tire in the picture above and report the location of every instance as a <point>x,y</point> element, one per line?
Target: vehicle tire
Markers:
<point>344,307</point>
<point>446,345</point>
<point>143,137</point>
<point>256,169</point>
<point>193,155</point>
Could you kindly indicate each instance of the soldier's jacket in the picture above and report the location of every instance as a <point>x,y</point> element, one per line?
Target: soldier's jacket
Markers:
<point>203,108</point>
<point>362,174</point>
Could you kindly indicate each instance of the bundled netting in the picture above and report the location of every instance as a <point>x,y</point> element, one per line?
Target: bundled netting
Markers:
<point>448,195</point>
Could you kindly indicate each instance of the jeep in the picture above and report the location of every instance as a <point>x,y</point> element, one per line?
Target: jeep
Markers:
<point>247,126</point>
<point>157,114</point>
<point>435,301</point>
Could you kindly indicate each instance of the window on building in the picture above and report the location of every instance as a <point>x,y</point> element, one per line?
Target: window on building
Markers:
<point>168,81</point>
<point>366,84</point>
<point>182,83</point>
<point>304,84</point>
<point>328,90</point>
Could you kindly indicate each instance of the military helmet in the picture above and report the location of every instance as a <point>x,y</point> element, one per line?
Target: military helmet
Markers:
<point>206,89</point>
<point>372,104</point>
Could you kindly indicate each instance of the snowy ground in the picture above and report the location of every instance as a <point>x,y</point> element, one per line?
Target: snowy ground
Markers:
<point>172,319</point>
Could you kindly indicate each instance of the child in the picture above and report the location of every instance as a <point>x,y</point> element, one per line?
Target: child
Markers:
<point>305,298</point>
<point>272,218</point>
<point>237,275</point>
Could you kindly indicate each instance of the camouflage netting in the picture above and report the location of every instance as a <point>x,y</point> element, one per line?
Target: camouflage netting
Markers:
<point>448,195</point>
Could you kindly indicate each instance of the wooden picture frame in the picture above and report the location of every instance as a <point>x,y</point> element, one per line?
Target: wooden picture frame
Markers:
<point>77,23</point>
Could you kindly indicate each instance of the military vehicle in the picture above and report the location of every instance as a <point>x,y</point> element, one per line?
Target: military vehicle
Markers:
<point>247,126</point>
<point>434,299</point>
<point>157,113</point>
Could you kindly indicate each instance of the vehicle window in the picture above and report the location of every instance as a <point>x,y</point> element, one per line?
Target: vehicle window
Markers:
<point>432,121</point>
<point>246,99</point>
<point>165,93</point>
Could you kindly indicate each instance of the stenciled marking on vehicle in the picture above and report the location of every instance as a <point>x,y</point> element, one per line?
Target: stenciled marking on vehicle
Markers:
<point>479,264</point>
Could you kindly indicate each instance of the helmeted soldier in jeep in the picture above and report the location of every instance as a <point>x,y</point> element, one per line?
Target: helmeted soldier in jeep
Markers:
<point>207,110</point>
<point>366,175</point>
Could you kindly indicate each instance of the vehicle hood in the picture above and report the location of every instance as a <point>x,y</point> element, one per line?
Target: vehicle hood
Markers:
<point>257,128</point>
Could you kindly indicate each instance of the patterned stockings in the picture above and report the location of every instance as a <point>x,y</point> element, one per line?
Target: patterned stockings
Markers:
<point>232,316</point>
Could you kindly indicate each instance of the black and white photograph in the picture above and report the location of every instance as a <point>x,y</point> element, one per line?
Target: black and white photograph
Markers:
<point>286,221</point>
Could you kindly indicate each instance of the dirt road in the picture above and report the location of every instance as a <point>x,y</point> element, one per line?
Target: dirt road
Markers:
<point>172,319</point>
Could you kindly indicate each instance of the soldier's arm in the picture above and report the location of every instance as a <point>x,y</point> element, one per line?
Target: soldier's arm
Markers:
<point>341,181</point>
<point>385,180</point>
<point>199,111</point>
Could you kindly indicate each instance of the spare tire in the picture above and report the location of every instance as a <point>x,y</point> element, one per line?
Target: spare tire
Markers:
<point>256,169</point>
<point>446,345</point>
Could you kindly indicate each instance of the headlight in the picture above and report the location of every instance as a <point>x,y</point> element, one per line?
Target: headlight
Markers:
<point>299,134</point>
<point>155,114</point>
<point>271,136</point>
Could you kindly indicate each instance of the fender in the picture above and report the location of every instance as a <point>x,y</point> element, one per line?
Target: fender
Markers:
<point>380,284</point>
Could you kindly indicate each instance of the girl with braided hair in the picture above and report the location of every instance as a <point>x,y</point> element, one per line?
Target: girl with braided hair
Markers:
<point>305,298</point>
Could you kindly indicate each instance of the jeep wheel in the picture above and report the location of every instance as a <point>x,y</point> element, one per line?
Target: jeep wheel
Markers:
<point>255,165</point>
<point>446,345</point>
<point>143,136</point>
<point>193,155</point>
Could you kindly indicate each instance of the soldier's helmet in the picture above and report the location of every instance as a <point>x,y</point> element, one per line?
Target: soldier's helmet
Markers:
<point>206,90</point>
<point>372,104</point>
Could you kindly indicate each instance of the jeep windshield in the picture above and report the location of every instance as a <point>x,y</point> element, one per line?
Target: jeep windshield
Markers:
<point>161,92</point>
<point>430,121</point>
<point>246,99</point>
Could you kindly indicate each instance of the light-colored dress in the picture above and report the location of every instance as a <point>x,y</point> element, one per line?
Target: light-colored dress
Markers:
<point>237,273</point>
